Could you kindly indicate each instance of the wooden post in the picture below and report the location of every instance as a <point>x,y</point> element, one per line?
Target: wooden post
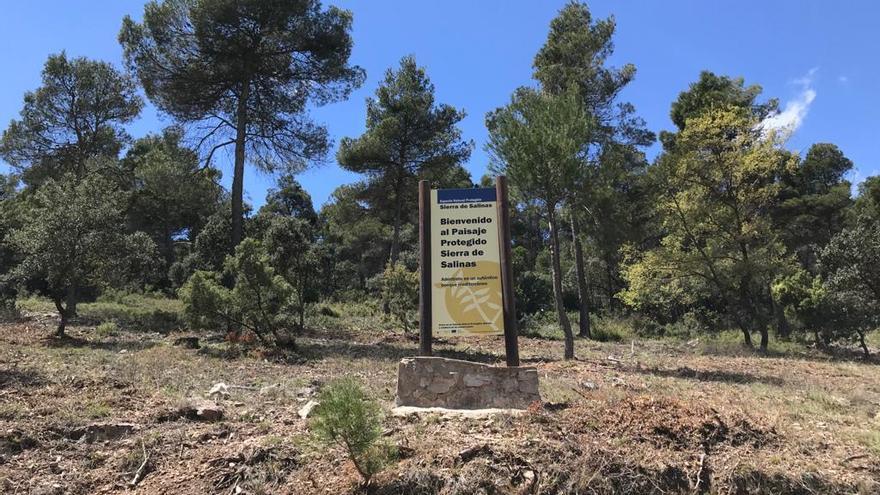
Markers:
<point>425,268</point>
<point>511,344</point>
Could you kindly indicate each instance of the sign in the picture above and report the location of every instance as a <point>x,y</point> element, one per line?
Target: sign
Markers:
<point>466,291</point>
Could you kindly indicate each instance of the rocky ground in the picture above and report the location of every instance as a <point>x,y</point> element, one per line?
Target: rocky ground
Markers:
<point>131,412</point>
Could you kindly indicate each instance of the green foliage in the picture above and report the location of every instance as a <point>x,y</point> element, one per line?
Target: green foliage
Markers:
<point>107,329</point>
<point>715,92</point>
<point>76,115</point>
<point>249,68</point>
<point>868,203</point>
<point>717,188</point>
<point>260,301</point>
<point>346,417</point>
<point>534,292</point>
<point>171,195</point>
<point>539,141</point>
<point>408,137</point>
<point>205,301</point>
<point>400,291</point>
<point>814,202</point>
<point>850,265</point>
<point>10,219</point>
<point>290,244</point>
<point>74,238</point>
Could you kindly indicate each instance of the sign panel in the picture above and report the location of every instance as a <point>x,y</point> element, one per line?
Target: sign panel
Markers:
<point>465,263</point>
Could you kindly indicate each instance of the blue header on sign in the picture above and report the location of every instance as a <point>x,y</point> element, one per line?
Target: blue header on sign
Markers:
<point>481,195</point>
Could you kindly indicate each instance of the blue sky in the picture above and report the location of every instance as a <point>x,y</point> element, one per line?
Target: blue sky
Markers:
<point>819,58</point>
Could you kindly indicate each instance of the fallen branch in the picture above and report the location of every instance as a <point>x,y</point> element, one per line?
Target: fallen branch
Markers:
<point>141,471</point>
<point>699,478</point>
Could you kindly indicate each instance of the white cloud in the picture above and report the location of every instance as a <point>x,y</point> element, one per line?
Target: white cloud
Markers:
<point>842,79</point>
<point>795,111</point>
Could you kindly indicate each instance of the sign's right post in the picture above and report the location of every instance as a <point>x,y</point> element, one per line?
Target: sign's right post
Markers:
<point>511,344</point>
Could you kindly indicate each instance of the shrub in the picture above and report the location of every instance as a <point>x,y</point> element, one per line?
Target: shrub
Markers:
<point>348,418</point>
<point>260,300</point>
<point>107,329</point>
<point>400,291</point>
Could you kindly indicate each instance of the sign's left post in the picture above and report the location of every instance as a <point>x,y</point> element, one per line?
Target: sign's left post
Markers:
<point>425,268</point>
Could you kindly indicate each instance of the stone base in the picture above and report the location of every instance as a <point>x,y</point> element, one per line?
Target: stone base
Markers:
<point>407,411</point>
<point>456,384</point>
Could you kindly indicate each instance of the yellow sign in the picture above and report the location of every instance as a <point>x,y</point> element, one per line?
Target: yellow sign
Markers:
<point>465,263</point>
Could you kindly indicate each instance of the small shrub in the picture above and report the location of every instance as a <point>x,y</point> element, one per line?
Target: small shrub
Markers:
<point>107,329</point>
<point>348,418</point>
<point>612,329</point>
<point>328,311</point>
<point>8,311</point>
<point>400,291</point>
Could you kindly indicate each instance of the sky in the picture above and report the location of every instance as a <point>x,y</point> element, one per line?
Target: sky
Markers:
<point>819,58</point>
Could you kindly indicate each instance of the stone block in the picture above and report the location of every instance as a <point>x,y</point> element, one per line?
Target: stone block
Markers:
<point>457,384</point>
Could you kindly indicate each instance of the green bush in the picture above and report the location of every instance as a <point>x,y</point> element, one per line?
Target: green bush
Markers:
<point>400,291</point>
<point>260,301</point>
<point>348,418</point>
<point>107,329</point>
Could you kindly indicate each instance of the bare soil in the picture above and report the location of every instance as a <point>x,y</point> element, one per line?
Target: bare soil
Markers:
<point>101,414</point>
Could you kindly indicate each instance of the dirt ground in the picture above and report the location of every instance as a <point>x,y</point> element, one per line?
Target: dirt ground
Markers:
<point>100,413</point>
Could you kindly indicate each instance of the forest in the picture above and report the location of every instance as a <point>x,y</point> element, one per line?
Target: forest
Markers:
<point>726,229</point>
<point>726,236</point>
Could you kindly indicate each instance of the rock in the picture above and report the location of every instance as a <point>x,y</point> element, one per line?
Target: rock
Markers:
<point>587,385</point>
<point>470,453</point>
<point>219,389</point>
<point>187,342</point>
<point>270,389</point>
<point>200,410</point>
<point>454,384</point>
<point>306,410</point>
<point>305,391</point>
<point>100,432</point>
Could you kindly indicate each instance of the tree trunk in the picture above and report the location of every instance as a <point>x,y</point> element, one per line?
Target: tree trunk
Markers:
<point>557,283</point>
<point>583,304</point>
<point>765,338</point>
<point>863,344</point>
<point>71,300</point>
<point>395,235</point>
<point>62,312</point>
<point>747,337</point>
<point>783,329</point>
<point>238,173</point>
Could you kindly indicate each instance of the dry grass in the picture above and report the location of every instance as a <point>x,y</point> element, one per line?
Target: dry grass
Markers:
<point>658,417</point>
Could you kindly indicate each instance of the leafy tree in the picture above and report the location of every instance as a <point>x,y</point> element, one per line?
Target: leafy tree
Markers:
<point>714,92</point>
<point>868,203</point>
<point>260,300</point>
<point>291,200</point>
<point>814,202</point>
<point>74,237</point>
<point>575,56</point>
<point>289,242</point>
<point>358,239</point>
<point>10,219</point>
<point>76,115</point>
<point>408,137</point>
<point>538,140</point>
<point>245,71</point>
<point>850,264</point>
<point>400,290</point>
<point>717,188</point>
<point>171,196</point>
<point>347,417</point>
